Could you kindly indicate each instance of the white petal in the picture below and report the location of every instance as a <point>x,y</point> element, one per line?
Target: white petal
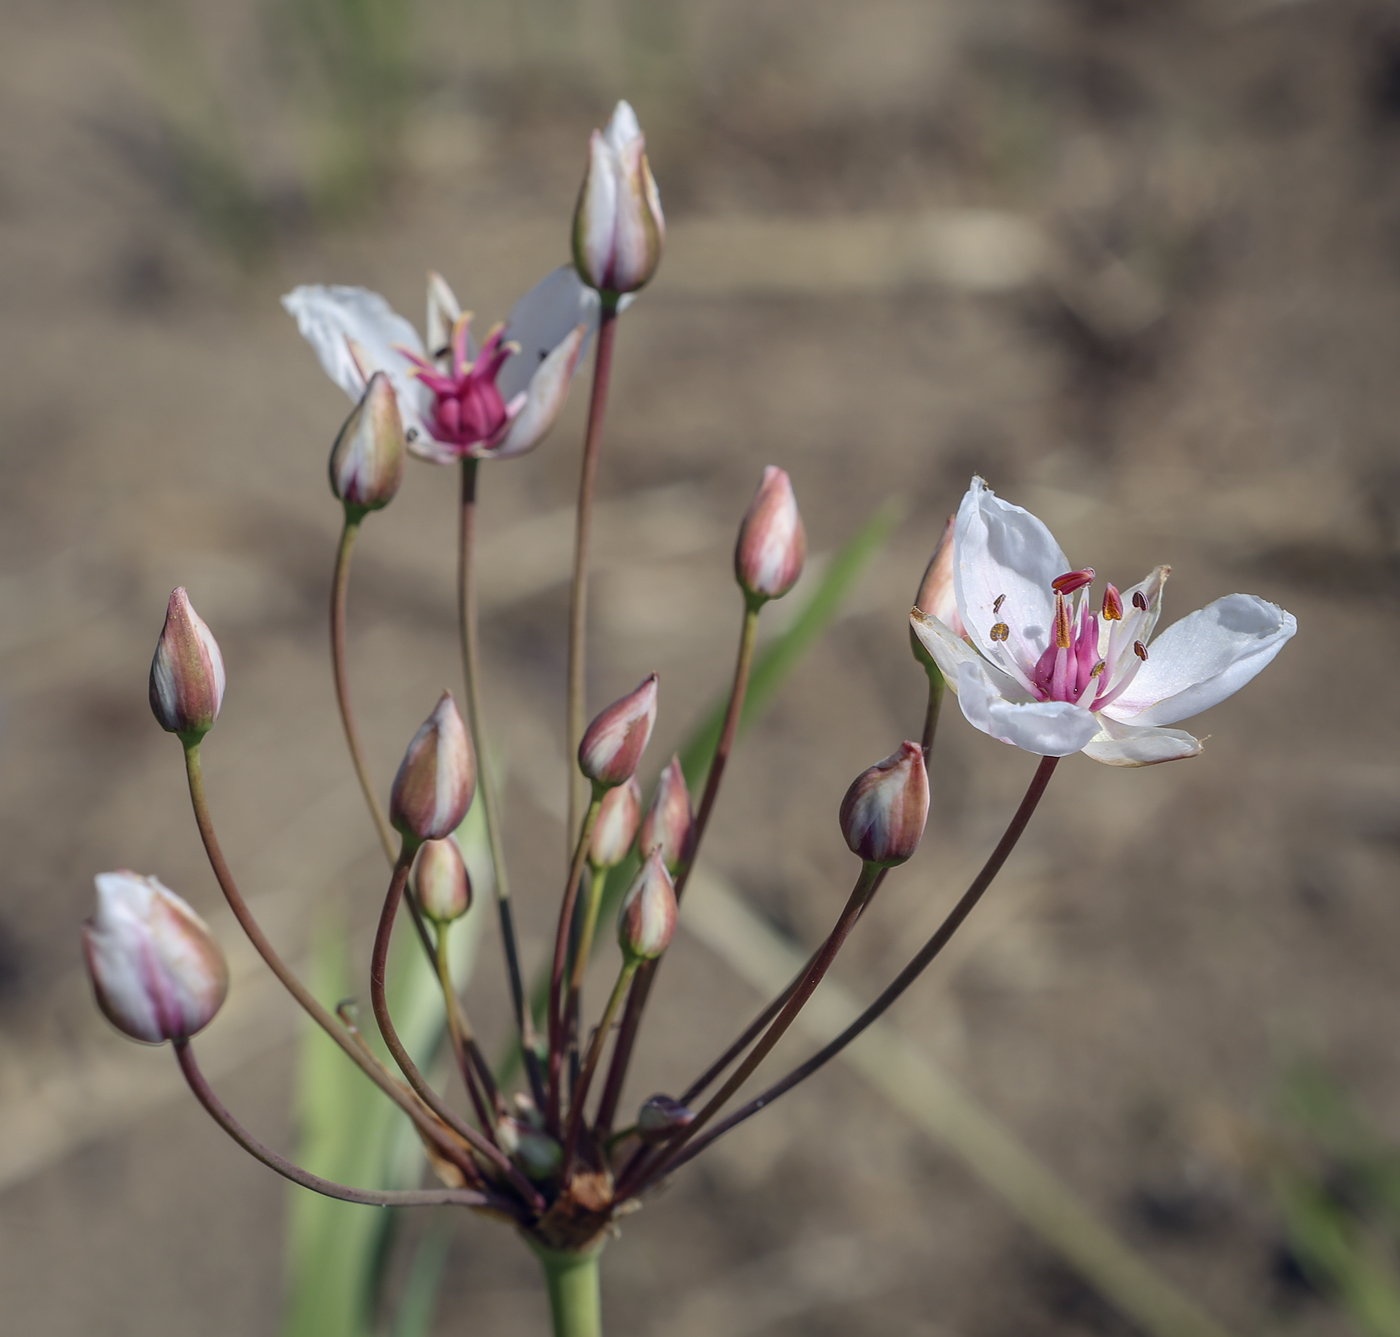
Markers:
<point>623,128</point>
<point>595,221</point>
<point>1000,549</point>
<point>443,310</point>
<point>548,389</point>
<point>541,321</point>
<point>950,652</point>
<point>1047,728</point>
<point>1128,745</point>
<point>1204,658</point>
<point>330,317</point>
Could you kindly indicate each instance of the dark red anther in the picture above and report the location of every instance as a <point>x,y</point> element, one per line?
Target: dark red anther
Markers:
<point>1073,580</point>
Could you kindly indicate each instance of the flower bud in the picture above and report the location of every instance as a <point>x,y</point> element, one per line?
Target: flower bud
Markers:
<point>187,673</point>
<point>618,226</point>
<point>437,777</point>
<point>616,828</point>
<point>647,919</point>
<point>444,889</point>
<point>367,458</point>
<point>660,1117</point>
<point>884,811</point>
<point>772,543</point>
<point>155,967</point>
<point>669,822</point>
<point>540,1156</point>
<point>613,744</point>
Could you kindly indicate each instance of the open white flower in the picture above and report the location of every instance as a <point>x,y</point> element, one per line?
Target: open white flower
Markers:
<point>455,399</point>
<point>1042,669</point>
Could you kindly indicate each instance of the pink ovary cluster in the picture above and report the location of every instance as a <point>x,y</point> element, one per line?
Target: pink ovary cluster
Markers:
<point>1085,664</point>
<point>468,408</point>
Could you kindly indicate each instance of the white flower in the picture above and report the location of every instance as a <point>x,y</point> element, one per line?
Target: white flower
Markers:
<point>1041,669</point>
<point>455,399</point>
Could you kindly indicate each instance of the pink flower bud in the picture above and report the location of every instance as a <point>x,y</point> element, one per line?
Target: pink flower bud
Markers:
<point>613,744</point>
<point>647,919</point>
<point>772,543</point>
<point>187,673</point>
<point>618,226</point>
<point>367,458</point>
<point>936,597</point>
<point>669,821</point>
<point>660,1116</point>
<point>437,777</point>
<point>155,967</point>
<point>884,811</point>
<point>616,829</point>
<point>444,889</point>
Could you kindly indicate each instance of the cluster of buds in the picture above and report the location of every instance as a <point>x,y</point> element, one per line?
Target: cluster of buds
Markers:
<point>999,617</point>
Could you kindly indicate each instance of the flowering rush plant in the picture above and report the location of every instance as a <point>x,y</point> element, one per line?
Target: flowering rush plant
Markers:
<point>1036,657</point>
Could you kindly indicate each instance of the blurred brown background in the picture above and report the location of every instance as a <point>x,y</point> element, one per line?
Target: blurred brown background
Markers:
<point>1134,262</point>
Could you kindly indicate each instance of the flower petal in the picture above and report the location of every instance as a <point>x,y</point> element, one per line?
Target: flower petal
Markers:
<point>950,652</point>
<point>544,397</point>
<point>1129,745</point>
<point>1047,728</point>
<point>1207,656</point>
<point>1000,549</point>
<point>329,317</point>
<point>443,311</point>
<point>541,320</point>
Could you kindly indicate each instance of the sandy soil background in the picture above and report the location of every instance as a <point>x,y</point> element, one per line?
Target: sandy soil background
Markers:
<point>1135,263</point>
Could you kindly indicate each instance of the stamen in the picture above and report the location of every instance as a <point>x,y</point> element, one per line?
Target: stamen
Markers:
<point>1098,668</point>
<point>1000,631</point>
<point>1140,650</point>
<point>1140,601</point>
<point>997,603</point>
<point>1112,604</point>
<point>1073,580</point>
<point>1064,632</point>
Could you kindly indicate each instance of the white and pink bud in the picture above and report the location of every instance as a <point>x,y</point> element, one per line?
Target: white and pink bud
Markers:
<point>156,970</point>
<point>437,777</point>
<point>367,459</point>
<point>885,809</point>
<point>441,881</point>
<point>647,920</point>
<point>187,672</point>
<point>772,543</point>
<point>616,827</point>
<point>613,744</point>
<point>661,1116</point>
<point>936,597</point>
<point>670,821</point>
<point>619,229</point>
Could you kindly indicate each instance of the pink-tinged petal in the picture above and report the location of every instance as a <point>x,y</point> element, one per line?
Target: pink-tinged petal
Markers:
<point>330,315</point>
<point>1209,655</point>
<point>936,595</point>
<point>541,320</point>
<point>1002,550</point>
<point>544,396</point>
<point>596,215</point>
<point>1129,745</point>
<point>1046,728</point>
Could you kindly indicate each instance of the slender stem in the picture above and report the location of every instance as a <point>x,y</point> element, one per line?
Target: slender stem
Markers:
<point>372,1197</point>
<point>598,880</point>
<point>902,981</point>
<point>867,884</point>
<point>379,999</point>
<point>935,701</point>
<point>460,1034</point>
<point>561,948</point>
<point>641,989</point>
<point>575,1302</point>
<point>339,590</point>
<point>595,1049</point>
<point>468,620</point>
<point>578,593</point>
<point>448,1144</point>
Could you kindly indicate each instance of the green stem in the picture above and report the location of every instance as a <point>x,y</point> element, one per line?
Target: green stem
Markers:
<point>578,593</point>
<point>575,1302</point>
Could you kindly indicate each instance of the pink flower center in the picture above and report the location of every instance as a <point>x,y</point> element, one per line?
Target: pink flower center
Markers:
<point>468,409</point>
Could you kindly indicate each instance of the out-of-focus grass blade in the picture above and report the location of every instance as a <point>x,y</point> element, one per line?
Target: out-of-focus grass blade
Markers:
<point>351,1132</point>
<point>419,1299</point>
<point>771,666</point>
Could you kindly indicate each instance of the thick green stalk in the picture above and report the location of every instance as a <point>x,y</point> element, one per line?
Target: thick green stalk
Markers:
<point>575,1302</point>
